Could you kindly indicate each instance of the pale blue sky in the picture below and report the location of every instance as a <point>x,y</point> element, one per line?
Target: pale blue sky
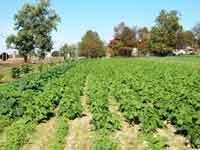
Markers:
<point>101,15</point>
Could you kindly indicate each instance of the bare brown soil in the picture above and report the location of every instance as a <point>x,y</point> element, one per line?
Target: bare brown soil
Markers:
<point>80,133</point>
<point>39,139</point>
<point>175,141</point>
<point>129,137</point>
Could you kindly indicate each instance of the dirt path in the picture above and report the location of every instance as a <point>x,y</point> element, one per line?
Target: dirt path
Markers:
<point>80,135</point>
<point>39,139</point>
<point>129,137</point>
<point>175,142</point>
<point>2,139</point>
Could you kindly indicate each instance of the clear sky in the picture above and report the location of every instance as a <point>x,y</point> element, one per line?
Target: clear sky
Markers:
<point>100,15</point>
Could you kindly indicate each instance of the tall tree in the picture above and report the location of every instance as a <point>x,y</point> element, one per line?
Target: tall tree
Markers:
<point>196,31</point>
<point>164,34</point>
<point>143,39</point>
<point>91,45</point>
<point>124,40</point>
<point>34,24</point>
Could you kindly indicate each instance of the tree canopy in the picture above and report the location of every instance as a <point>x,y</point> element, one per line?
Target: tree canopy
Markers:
<point>196,31</point>
<point>164,34</point>
<point>124,40</point>
<point>91,45</point>
<point>143,40</point>
<point>68,50</point>
<point>34,24</point>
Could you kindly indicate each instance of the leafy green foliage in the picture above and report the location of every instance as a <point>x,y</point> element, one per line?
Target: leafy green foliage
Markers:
<point>124,40</point>
<point>91,45</point>
<point>175,99</point>
<point>163,37</point>
<point>55,53</point>
<point>15,72</point>
<point>69,51</point>
<point>148,94</point>
<point>70,106</point>
<point>30,94</point>
<point>17,133</point>
<point>26,68</point>
<point>34,23</point>
<point>156,143</point>
<point>99,106</point>
<point>103,142</point>
<point>36,103</point>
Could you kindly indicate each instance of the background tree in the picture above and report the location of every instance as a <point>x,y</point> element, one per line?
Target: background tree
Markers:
<point>34,24</point>
<point>142,41</point>
<point>23,42</point>
<point>196,31</point>
<point>55,54</point>
<point>180,40</point>
<point>124,40</point>
<point>163,37</point>
<point>69,50</point>
<point>91,45</point>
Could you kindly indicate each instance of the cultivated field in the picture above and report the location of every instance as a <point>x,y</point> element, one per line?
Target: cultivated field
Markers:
<point>35,63</point>
<point>104,104</point>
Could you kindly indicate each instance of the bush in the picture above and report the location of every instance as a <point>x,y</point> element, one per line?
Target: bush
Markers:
<point>17,133</point>
<point>26,68</point>
<point>55,54</point>
<point>15,72</point>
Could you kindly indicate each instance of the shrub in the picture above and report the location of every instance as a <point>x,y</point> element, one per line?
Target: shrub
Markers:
<point>55,54</point>
<point>15,72</point>
<point>26,68</point>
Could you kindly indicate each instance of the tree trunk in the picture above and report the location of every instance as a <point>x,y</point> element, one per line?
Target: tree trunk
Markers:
<point>25,58</point>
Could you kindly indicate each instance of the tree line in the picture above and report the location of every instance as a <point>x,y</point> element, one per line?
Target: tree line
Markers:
<point>34,24</point>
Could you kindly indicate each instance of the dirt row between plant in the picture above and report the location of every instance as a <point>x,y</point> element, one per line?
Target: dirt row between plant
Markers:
<point>80,133</point>
<point>40,138</point>
<point>2,138</point>
<point>129,137</point>
<point>175,141</point>
<point>80,136</point>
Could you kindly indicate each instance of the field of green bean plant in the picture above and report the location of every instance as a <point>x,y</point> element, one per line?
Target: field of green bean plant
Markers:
<point>104,104</point>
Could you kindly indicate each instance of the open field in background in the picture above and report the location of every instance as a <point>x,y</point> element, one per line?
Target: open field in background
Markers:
<point>191,60</point>
<point>33,60</point>
<point>105,104</point>
<point>6,66</point>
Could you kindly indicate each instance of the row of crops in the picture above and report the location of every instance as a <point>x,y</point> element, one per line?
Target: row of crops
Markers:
<point>27,102</point>
<point>149,93</point>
